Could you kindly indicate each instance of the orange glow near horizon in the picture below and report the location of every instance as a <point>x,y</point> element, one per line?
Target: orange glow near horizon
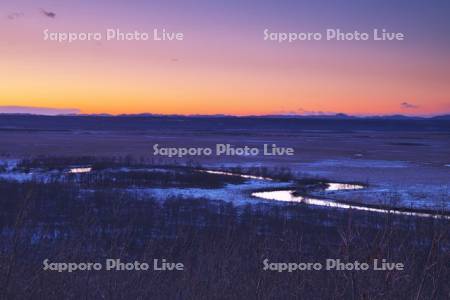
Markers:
<point>237,74</point>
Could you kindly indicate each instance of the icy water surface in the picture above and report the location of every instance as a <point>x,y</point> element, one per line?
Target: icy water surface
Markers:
<point>289,196</point>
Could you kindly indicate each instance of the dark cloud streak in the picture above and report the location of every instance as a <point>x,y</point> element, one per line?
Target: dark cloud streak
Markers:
<point>408,105</point>
<point>48,14</point>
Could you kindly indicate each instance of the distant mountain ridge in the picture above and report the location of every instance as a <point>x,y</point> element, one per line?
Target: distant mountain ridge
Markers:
<point>276,116</point>
<point>324,116</point>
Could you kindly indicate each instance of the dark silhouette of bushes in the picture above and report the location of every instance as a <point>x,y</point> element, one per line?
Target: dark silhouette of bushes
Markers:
<point>222,247</point>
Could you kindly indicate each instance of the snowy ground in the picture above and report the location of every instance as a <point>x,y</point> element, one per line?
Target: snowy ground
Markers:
<point>409,169</point>
<point>238,194</point>
<point>389,194</point>
<point>400,183</point>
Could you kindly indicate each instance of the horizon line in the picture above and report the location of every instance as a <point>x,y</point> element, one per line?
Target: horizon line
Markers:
<point>146,114</point>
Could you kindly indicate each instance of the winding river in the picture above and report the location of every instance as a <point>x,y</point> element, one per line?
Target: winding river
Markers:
<point>288,195</point>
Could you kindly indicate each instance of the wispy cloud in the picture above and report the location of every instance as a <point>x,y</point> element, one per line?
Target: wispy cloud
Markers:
<point>15,15</point>
<point>408,105</point>
<point>38,110</point>
<point>304,112</point>
<point>48,14</point>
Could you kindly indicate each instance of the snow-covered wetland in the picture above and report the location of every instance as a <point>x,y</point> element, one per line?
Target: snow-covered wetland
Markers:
<point>239,188</point>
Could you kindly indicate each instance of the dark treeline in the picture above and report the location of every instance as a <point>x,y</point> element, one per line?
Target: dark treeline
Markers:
<point>124,172</point>
<point>222,247</point>
<point>63,162</point>
<point>148,179</point>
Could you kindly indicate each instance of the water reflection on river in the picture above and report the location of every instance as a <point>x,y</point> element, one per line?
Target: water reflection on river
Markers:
<point>289,196</point>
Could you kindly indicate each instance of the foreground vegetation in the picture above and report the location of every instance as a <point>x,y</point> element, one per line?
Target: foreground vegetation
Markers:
<point>221,245</point>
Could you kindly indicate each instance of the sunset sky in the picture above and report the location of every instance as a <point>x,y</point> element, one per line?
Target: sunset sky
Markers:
<point>223,65</point>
